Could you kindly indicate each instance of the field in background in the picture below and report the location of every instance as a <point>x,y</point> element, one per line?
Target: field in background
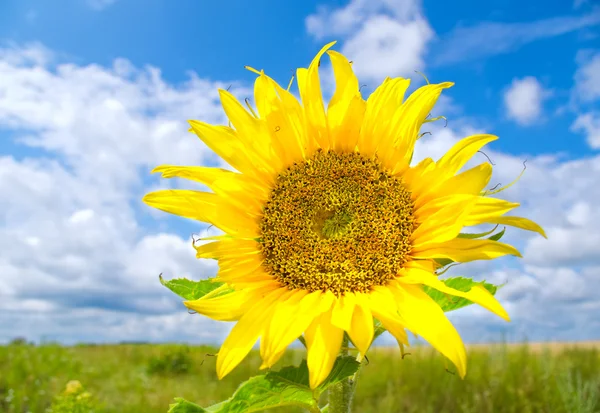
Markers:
<point>144,378</point>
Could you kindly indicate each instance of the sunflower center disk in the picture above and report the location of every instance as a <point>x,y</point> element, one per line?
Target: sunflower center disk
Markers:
<point>336,222</point>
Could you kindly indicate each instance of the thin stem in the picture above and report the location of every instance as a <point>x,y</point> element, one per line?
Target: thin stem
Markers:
<point>340,394</point>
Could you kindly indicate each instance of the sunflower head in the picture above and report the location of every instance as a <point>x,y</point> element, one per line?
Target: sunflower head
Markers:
<point>337,222</point>
<point>328,225</point>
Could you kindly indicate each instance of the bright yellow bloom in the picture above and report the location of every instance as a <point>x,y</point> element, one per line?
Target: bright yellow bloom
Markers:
<point>327,224</point>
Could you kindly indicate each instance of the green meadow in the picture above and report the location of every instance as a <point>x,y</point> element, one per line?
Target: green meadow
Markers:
<point>144,378</point>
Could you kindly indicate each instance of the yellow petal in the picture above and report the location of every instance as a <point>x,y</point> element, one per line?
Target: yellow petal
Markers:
<point>407,122</point>
<point>423,212</point>
<point>469,182</point>
<point>342,311</point>
<point>244,334</point>
<point>229,247</point>
<point>312,100</point>
<point>225,143</point>
<point>227,307</point>
<point>272,360</point>
<point>424,317</point>
<point>423,181</point>
<point>346,90</point>
<point>462,151</point>
<point>413,176</point>
<point>384,308</point>
<point>234,268</point>
<point>284,130</point>
<point>445,224</point>
<point>345,137</point>
<point>465,250</point>
<point>206,207</point>
<point>376,134</point>
<point>240,190</point>
<point>323,342</point>
<point>517,222</point>
<point>251,131</point>
<point>477,294</point>
<point>244,272</point>
<point>423,265</point>
<point>290,319</point>
<point>361,327</point>
<point>487,208</point>
<point>293,120</point>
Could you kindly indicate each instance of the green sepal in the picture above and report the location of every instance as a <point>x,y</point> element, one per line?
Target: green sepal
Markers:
<point>378,329</point>
<point>496,237</point>
<point>443,261</point>
<point>451,303</point>
<point>192,290</point>
<point>302,340</point>
<point>477,235</point>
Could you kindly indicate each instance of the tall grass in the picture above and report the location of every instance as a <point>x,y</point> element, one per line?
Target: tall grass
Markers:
<point>144,378</point>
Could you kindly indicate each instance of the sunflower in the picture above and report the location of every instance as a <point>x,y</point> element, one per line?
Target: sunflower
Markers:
<point>328,226</point>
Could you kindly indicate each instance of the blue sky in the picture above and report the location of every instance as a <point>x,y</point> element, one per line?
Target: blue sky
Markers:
<point>94,93</point>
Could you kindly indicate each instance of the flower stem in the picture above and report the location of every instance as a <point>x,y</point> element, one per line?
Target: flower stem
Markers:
<point>340,394</point>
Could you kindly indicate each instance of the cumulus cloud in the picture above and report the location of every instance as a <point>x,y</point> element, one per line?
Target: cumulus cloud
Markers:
<point>382,38</point>
<point>523,100</point>
<point>587,77</point>
<point>589,124</point>
<point>81,255</point>
<point>584,97</point>
<point>549,293</point>
<point>71,233</point>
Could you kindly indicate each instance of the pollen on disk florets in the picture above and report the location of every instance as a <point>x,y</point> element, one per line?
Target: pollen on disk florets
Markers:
<point>336,222</point>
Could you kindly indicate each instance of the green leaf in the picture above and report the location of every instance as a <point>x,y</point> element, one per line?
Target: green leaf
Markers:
<point>191,290</point>
<point>450,303</point>
<point>344,366</point>
<point>325,409</point>
<point>287,387</point>
<point>183,406</point>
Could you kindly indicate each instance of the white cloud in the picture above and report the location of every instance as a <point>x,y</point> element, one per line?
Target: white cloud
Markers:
<point>464,44</point>
<point>71,234</point>
<point>587,77</point>
<point>76,237</point>
<point>402,44</point>
<point>343,20</point>
<point>585,94</point>
<point>589,124</point>
<point>523,100</point>
<point>382,38</point>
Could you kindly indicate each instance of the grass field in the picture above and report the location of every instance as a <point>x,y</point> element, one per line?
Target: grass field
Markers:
<point>144,378</point>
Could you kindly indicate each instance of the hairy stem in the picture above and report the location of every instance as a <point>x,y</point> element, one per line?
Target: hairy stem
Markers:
<point>340,394</point>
